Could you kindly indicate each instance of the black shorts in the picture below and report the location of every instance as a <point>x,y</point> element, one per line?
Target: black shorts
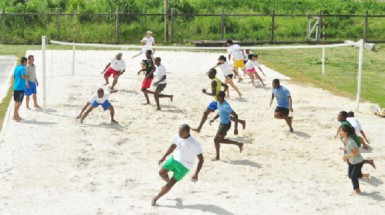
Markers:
<point>223,129</point>
<point>160,87</point>
<point>18,95</point>
<point>282,110</point>
<point>230,76</point>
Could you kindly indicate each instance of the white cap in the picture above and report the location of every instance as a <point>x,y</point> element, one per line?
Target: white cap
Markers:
<point>149,32</point>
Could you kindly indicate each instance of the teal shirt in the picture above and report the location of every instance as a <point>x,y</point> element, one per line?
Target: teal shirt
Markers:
<point>354,136</point>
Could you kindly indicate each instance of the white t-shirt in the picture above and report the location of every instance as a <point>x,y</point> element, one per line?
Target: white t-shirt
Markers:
<point>235,52</point>
<point>355,124</point>
<point>118,65</point>
<point>95,97</point>
<point>186,150</point>
<point>250,64</point>
<point>149,42</point>
<point>160,71</point>
<point>226,68</point>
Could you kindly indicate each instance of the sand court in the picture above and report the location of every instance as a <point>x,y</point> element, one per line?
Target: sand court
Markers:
<point>50,163</point>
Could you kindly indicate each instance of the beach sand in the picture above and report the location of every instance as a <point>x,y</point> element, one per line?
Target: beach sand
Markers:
<point>52,164</point>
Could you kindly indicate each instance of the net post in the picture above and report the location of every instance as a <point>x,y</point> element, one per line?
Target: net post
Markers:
<point>43,41</point>
<point>223,25</point>
<point>272,27</point>
<point>360,63</point>
<point>3,38</point>
<point>73,57</point>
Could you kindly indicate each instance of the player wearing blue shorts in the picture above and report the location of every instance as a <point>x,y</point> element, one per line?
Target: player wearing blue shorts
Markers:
<point>32,82</point>
<point>216,86</point>
<point>99,99</point>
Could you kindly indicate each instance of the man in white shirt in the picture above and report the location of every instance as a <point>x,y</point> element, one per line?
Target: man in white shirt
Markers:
<point>99,98</point>
<point>160,77</point>
<point>148,41</point>
<point>116,68</point>
<point>185,148</point>
<point>358,129</point>
<point>237,53</point>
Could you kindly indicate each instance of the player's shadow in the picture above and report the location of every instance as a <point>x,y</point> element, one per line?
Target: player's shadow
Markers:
<point>129,91</point>
<point>243,139</point>
<point>241,99</point>
<point>375,181</point>
<point>208,208</point>
<point>35,122</point>
<point>171,108</point>
<point>368,150</point>
<point>118,127</point>
<point>302,134</point>
<point>53,112</point>
<point>243,162</point>
<point>374,195</point>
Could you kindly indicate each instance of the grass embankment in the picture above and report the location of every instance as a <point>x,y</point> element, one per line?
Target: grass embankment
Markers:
<point>305,66</point>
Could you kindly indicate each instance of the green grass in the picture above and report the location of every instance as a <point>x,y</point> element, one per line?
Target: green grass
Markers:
<point>305,67</point>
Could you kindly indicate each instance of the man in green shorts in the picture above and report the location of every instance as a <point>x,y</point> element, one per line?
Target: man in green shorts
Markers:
<point>185,148</point>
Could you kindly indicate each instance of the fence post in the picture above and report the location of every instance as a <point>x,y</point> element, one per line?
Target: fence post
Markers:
<point>366,26</point>
<point>318,32</point>
<point>3,31</point>
<point>223,25</point>
<point>58,26</point>
<point>272,27</point>
<point>117,30</point>
<point>172,24</point>
<point>166,20</point>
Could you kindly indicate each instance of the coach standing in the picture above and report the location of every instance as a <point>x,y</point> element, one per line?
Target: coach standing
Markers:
<point>20,84</point>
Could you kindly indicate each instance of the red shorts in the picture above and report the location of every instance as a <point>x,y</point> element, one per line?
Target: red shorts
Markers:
<point>110,72</point>
<point>146,83</point>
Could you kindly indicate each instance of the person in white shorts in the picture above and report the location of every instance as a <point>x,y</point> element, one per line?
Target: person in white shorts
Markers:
<point>185,149</point>
<point>116,67</point>
<point>237,53</point>
<point>160,83</point>
<point>99,98</point>
<point>227,71</point>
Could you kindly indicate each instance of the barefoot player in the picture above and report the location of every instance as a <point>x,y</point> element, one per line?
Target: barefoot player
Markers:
<point>149,75</point>
<point>226,114</point>
<point>160,75</point>
<point>227,71</point>
<point>100,98</point>
<point>185,148</point>
<point>284,103</point>
<point>216,86</point>
<point>116,68</point>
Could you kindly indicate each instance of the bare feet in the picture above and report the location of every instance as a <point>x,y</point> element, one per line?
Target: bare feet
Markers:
<point>356,192</point>
<point>240,79</point>
<point>240,147</point>
<point>153,202</point>
<point>16,119</point>
<point>371,162</point>
<point>114,122</point>
<point>37,107</point>
<point>28,108</point>
<point>158,109</point>
<point>172,98</point>
<point>291,129</point>
<point>147,103</point>
<point>364,146</point>
<point>106,84</point>
<point>243,125</point>
<point>367,176</point>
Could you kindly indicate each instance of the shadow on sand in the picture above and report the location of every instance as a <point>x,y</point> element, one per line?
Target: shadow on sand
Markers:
<point>302,134</point>
<point>201,207</point>
<point>244,163</point>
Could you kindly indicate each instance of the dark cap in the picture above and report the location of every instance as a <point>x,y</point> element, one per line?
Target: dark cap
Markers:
<point>222,57</point>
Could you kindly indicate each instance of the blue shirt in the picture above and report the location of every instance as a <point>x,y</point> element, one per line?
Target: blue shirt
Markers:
<point>224,111</point>
<point>282,94</point>
<point>19,82</point>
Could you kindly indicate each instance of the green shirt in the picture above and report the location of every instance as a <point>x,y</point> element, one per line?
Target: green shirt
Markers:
<point>217,88</point>
<point>354,136</point>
